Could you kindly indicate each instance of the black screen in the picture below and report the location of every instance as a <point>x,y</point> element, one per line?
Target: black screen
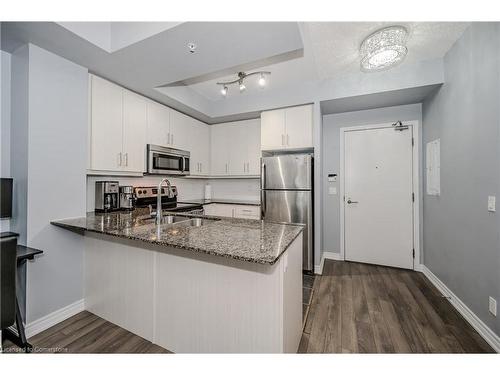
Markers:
<point>5,197</point>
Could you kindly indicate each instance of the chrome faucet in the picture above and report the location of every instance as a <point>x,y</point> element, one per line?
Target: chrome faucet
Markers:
<point>158,199</point>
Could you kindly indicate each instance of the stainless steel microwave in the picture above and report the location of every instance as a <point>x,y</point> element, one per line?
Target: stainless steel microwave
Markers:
<point>167,161</point>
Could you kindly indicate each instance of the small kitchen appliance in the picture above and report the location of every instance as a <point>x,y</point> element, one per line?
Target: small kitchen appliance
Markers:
<point>127,197</point>
<point>107,196</point>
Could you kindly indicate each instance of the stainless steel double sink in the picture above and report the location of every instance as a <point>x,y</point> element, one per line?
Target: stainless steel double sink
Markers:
<point>184,220</point>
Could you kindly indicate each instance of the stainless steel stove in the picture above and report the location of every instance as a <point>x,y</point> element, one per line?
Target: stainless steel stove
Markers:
<point>146,196</point>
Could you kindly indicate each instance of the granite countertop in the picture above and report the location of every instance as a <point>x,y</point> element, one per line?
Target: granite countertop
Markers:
<point>256,241</point>
<point>222,201</point>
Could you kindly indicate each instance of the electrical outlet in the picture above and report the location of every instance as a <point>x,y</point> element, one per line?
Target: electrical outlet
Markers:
<point>332,190</point>
<point>491,203</point>
<point>493,306</point>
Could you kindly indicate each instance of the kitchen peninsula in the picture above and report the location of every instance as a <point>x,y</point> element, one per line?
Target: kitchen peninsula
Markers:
<point>195,284</point>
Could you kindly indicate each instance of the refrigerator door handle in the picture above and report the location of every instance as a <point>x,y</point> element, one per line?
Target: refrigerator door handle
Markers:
<point>263,204</point>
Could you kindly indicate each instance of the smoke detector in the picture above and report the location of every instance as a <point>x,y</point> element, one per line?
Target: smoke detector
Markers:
<point>191,47</point>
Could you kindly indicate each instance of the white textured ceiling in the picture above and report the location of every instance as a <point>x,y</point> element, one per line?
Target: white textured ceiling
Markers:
<point>331,49</point>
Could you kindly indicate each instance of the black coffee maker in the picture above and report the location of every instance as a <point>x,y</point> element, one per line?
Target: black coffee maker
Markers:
<point>107,196</point>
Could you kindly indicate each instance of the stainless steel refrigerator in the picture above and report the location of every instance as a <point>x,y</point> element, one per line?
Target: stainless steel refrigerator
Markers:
<point>287,195</point>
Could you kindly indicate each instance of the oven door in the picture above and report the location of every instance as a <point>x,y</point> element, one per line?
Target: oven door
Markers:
<point>168,164</point>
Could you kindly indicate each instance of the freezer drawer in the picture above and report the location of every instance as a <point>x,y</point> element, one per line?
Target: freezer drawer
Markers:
<point>291,206</point>
<point>287,172</point>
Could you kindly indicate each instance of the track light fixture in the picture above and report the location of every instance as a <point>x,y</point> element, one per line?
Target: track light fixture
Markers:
<point>241,81</point>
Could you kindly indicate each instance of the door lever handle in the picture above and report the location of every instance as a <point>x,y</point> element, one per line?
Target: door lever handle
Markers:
<point>350,201</point>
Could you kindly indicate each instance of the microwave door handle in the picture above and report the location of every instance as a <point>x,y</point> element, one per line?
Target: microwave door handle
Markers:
<point>182,164</point>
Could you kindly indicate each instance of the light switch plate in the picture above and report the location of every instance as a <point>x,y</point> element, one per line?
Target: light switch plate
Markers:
<point>493,306</point>
<point>332,190</point>
<point>491,203</point>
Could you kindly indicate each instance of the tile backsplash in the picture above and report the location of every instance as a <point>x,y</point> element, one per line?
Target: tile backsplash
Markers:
<point>188,188</point>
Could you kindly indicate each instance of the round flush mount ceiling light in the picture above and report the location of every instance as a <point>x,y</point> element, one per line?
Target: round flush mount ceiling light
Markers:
<point>384,49</point>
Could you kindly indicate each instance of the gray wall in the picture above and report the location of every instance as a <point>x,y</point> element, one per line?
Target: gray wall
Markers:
<point>5,124</point>
<point>461,238</point>
<point>49,153</point>
<point>331,159</point>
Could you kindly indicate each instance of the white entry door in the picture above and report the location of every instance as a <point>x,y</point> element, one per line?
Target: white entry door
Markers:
<point>378,203</point>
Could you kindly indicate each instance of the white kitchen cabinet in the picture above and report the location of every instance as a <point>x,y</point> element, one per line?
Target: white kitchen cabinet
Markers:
<point>180,130</point>
<point>246,212</point>
<point>106,125</point>
<point>272,136</point>
<point>253,147</point>
<point>237,211</point>
<point>236,136</point>
<point>158,124</point>
<point>199,146</point>
<point>299,126</point>
<point>134,132</point>
<point>118,128</point>
<point>287,128</point>
<point>219,155</point>
<point>236,148</point>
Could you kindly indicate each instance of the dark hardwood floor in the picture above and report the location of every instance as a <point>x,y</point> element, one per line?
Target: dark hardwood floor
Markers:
<point>87,333</point>
<point>360,308</point>
<point>355,308</point>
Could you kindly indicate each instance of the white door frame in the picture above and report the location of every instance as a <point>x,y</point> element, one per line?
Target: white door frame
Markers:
<point>416,184</point>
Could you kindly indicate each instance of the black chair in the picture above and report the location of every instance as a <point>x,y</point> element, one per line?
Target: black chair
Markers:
<point>8,254</point>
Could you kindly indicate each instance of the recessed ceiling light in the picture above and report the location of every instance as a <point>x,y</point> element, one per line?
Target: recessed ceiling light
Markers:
<point>384,49</point>
<point>223,91</point>
<point>192,47</point>
<point>242,86</point>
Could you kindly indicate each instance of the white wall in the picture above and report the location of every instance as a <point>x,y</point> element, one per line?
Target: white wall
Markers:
<point>5,124</point>
<point>48,154</point>
<point>331,160</point>
<point>245,189</point>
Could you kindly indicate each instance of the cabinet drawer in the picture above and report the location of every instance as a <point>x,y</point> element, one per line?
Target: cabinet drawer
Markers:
<point>247,212</point>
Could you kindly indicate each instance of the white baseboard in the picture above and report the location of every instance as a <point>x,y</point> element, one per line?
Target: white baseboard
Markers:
<point>486,333</point>
<point>326,255</point>
<point>53,318</point>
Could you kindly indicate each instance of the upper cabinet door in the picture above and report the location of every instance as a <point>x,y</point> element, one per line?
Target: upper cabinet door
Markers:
<point>253,147</point>
<point>158,124</point>
<point>219,159</point>
<point>179,130</point>
<point>236,140</point>
<point>106,125</point>
<point>199,146</point>
<point>273,130</point>
<point>299,124</point>
<point>134,132</point>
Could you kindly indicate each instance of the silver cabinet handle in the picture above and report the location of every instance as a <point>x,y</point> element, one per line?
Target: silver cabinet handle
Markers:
<point>126,159</point>
<point>201,167</point>
<point>287,140</point>
<point>168,138</point>
<point>119,159</point>
<point>349,201</point>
